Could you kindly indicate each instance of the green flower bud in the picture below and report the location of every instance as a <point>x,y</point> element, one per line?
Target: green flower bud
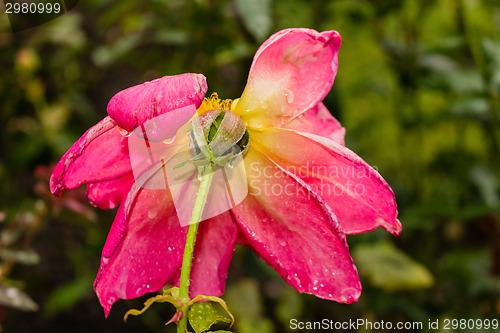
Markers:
<point>218,137</point>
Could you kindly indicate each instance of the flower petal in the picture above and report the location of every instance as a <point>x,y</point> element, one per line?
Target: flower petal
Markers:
<point>213,253</point>
<point>145,246</point>
<point>290,74</point>
<point>360,198</point>
<point>143,250</point>
<point>295,232</point>
<point>174,98</point>
<point>318,120</point>
<point>100,154</point>
<point>109,194</point>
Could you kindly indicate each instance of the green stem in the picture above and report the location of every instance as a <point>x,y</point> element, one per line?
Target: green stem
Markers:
<point>187,260</point>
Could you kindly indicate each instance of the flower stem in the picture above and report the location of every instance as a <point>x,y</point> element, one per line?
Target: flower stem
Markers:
<point>187,260</point>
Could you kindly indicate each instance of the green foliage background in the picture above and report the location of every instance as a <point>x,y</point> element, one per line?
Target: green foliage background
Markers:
<point>418,89</point>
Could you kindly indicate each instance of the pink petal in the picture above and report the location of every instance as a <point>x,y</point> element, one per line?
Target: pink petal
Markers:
<point>213,253</point>
<point>109,194</point>
<point>100,154</point>
<point>180,95</point>
<point>319,121</point>
<point>291,73</point>
<point>145,246</point>
<point>295,232</point>
<point>360,198</point>
<point>143,250</point>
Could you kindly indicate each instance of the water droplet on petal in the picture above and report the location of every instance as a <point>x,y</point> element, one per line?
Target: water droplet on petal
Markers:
<point>343,299</point>
<point>315,288</point>
<point>124,132</point>
<point>169,141</point>
<point>289,96</point>
<point>152,213</point>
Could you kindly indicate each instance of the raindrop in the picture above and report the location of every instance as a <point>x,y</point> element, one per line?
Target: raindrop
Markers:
<point>124,132</point>
<point>169,248</point>
<point>152,213</point>
<point>315,288</point>
<point>169,141</point>
<point>147,286</point>
<point>289,96</point>
<point>322,285</point>
<point>329,295</point>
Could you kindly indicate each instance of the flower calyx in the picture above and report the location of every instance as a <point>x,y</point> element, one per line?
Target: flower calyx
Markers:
<point>218,137</point>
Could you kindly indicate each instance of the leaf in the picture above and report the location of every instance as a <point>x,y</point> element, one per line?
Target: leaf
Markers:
<point>203,315</point>
<point>17,299</point>
<point>26,257</point>
<point>256,16</point>
<point>156,299</point>
<point>66,296</point>
<point>389,268</point>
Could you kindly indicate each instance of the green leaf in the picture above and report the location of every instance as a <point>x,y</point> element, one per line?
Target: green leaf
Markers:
<point>17,299</point>
<point>172,299</point>
<point>256,16</point>
<point>66,296</point>
<point>26,257</point>
<point>389,268</point>
<point>203,315</point>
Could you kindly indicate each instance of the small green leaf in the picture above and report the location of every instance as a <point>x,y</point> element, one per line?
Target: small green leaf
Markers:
<point>156,299</point>
<point>15,298</point>
<point>389,268</point>
<point>203,315</point>
<point>26,257</point>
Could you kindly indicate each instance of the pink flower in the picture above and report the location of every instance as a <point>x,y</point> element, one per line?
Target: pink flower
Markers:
<point>296,147</point>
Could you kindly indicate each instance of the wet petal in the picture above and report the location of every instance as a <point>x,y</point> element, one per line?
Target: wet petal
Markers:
<point>213,253</point>
<point>360,198</point>
<point>295,232</point>
<point>291,73</point>
<point>145,246</point>
<point>163,104</point>
<point>109,194</point>
<point>143,250</point>
<point>319,121</point>
<point>100,154</point>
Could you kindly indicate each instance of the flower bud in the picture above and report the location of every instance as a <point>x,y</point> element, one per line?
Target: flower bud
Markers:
<point>218,137</point>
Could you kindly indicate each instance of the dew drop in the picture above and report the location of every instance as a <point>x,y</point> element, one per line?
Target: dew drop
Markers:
<point>169,248</point>
<point>289,96</point>
<point>152,213</point>
<point>169,141</point>
<point>124,132</point>
<point>147,286</point>
<point>322,285</point>
<point>329,295</point>
<point>315,288</point>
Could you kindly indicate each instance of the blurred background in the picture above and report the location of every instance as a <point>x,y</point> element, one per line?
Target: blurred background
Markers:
<point>418,89</point>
